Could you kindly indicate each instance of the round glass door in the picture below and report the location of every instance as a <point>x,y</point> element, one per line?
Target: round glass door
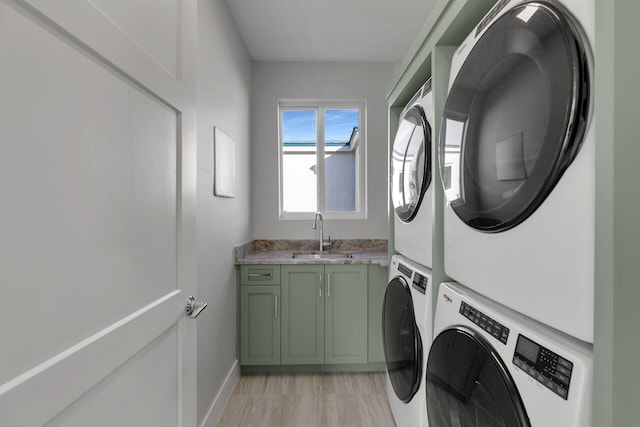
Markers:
<point>411,163</point>
<point>514,118</point>
<point>468,384</point>
<point>401,340</point>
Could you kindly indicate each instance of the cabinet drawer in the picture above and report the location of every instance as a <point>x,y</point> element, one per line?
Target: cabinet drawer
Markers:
<point>259,274</point>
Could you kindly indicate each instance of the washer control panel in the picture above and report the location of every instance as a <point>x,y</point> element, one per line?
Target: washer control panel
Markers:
<point>494,328</point>
<point>406,271</point>
<point>420,282</point>
<point>543,365</point>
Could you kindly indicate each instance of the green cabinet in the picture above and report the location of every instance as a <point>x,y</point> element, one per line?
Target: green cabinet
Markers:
<point>302,314</point>
<point>310,317</point>
<point>259,319</point>
<point>324,314</point>
<point>345,314</point>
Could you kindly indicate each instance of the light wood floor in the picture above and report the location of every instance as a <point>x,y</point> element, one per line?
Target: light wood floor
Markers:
<point>309,400</point>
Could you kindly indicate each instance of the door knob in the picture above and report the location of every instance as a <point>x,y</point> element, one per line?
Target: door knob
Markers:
<point>194,308</point>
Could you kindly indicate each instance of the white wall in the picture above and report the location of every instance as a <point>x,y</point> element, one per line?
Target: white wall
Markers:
<point>322,80</point>
<point>224,83</point>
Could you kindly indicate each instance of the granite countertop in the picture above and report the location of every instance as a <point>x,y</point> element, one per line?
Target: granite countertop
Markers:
<point>355,251</point>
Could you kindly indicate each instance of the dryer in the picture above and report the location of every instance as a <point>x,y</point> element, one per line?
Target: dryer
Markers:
<point>411,189</point>
<point>406,334</point>
<point>491,366</point>
<point>517,159</point>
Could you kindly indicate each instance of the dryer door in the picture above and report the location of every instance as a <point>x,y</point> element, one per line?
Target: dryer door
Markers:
<point>515,117</point>
<point>401,340</point>
<point>468,384</point>
<point>411,163</point>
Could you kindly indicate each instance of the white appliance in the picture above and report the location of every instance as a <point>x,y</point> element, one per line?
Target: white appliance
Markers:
<point>491,366</point>
<point>517,160</point>
<point>411,189</point>
<point>406,332</point>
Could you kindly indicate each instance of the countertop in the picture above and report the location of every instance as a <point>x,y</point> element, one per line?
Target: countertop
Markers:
<point>361,251</point>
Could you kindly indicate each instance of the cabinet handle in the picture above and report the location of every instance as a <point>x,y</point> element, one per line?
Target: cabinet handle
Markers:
<point>276,305</point>
<point>260,274</point>
<point>329,285</point>
<point>320,285</point>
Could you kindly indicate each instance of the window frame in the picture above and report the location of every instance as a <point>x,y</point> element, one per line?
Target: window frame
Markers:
<point>361,157</point>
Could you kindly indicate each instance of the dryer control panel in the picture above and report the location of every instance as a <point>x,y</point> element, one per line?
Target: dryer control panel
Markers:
<point>545,366</point>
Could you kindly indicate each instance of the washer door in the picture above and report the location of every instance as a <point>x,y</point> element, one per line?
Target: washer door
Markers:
<point>401,340</point>
<point>515,117</point>
<point>411,163</point>
<point>469,385</point>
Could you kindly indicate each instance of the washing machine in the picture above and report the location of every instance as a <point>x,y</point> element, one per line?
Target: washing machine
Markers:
<point>406,335</point>
<point>411,189</point>
<point>491,366</point>
<point>517,159</point>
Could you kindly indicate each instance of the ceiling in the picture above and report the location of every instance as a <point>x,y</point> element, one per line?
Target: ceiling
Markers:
<point>329,30</point>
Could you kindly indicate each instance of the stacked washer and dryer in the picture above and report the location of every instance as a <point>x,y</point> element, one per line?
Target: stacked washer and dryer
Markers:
<point>513,336</point>
<point>407,313</point>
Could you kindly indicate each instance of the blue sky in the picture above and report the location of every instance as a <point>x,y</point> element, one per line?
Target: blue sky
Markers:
<point>300,125</point>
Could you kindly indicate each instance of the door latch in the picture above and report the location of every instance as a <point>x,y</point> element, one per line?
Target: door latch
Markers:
<point>194,308</point>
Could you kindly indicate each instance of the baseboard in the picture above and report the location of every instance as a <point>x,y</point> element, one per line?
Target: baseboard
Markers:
<point>217,406</point>
<point>345,367</point>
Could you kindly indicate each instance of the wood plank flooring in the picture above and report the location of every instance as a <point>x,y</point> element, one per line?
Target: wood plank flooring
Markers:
<point>309,400</point>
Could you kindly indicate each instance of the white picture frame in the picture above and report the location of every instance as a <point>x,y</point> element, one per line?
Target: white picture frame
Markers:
<point>224,181</point>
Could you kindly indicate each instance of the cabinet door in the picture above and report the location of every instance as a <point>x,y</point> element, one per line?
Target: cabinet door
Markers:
<point>302,314</point>
<point>377,286</point>
<point>346,314</point>
<point>259,325</point>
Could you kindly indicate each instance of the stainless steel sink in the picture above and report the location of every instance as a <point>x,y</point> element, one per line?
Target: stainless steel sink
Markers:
<point>321,255</point>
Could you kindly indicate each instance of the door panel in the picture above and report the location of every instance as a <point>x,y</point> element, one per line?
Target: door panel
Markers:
<point>515,117</point>
<point>302,314</point>
<point>259,325</point>
<point>411,163</point>
<point>98,233</point>
<point>93,185</point>
<point>160,41</point>
<point>469,384</point>
<point>346,314</point>
<point>128,52</point>
<point>403,347</point>
<point>123,398</point>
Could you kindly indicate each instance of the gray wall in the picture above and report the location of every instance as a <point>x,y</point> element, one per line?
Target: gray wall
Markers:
<point>317,80</point>
<point>224,80</point>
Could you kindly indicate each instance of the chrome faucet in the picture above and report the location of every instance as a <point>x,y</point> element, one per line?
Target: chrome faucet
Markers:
<point>317,216</point>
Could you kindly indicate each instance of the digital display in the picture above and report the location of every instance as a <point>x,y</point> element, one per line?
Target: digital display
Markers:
<point>543,365</point>
<point>420,282</point>
<point>527,348</point>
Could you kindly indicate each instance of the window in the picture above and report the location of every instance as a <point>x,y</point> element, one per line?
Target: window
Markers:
<point>322,159</point>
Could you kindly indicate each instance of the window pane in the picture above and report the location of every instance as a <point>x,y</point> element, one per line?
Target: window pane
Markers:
<point>299,161</point>
<point>342,137</point>
<point>299,183</point>
<point>299,127</point>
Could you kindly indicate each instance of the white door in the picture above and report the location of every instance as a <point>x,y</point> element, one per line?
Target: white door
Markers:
<point>97,212</point>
